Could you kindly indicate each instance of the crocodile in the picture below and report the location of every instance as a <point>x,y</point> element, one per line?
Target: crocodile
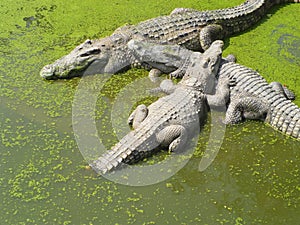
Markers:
<point>171,120</point>
<point>252,97</point>
<point>192,29</point>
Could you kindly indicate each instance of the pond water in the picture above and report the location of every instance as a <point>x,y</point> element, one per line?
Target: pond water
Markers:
<point>254,178</point>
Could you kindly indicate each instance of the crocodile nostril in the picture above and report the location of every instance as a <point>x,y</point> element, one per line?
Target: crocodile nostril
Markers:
<point>47,71</point>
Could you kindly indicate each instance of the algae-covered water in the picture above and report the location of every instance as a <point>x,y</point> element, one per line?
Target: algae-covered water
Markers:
<point>254,178</point>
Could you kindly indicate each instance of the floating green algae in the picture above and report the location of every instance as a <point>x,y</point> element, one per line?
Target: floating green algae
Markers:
<point>44,179</point>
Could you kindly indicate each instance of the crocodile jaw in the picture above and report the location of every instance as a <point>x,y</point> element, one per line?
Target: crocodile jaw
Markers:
<point>90,57</point>
<point>59,70</point>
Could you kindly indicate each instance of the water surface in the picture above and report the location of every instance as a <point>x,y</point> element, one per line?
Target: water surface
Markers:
<point>44,179</point>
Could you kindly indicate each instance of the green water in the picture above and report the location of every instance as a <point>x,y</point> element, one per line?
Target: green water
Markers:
<point>44,180</point>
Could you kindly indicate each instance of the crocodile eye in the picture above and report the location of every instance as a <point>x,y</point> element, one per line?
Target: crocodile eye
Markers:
<point>83,45</point>
<point>88,41</point>
<point>94,51</point>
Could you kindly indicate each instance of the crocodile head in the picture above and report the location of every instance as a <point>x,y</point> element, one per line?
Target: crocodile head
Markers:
<point>90,57</point>
<point>206,63</point>
<point>205,66</point>
<point>178,60</point>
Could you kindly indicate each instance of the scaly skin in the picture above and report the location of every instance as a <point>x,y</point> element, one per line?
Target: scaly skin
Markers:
<point>261,99</point>
<point>169,121</point>
<point>190,28</point>
<point>252,97</point>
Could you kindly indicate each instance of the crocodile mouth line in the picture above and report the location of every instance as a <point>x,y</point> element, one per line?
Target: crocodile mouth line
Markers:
<point>52,73</point>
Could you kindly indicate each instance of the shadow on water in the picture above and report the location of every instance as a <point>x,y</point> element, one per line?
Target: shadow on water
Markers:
<point>264,20</point>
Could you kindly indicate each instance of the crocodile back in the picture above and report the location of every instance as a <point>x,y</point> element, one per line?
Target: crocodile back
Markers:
<point>283,114</point>
<point>183,28</point>
<point>186,107</point>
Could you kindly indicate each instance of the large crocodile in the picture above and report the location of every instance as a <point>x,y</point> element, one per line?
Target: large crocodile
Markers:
<point>170,120</point>
<point>252,97</point>
<point>195,30</point>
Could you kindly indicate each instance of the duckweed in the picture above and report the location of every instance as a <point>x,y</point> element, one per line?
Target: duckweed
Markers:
<point>44,179</point>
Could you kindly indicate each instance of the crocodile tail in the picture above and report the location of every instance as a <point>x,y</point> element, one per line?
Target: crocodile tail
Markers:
<point>287,1</point>
<point>111,159</point>
<point>285,117</point>
<point>132,148</point>
<point>271,3</point>
<point>283,1</point>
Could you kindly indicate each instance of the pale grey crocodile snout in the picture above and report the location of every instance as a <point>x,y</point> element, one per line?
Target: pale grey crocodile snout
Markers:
<point>47,72</point>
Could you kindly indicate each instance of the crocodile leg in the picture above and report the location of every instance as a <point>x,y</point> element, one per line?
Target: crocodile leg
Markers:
<point>154,74</point>
<point>209,34</point>
<point>174,136</point>
<point>245,108</point>
<point>220,99</point>
<point>166,86</point>
<point>288,93</point>
<point>138,116</point>
<point>230,58</point>
<point>283,90</point>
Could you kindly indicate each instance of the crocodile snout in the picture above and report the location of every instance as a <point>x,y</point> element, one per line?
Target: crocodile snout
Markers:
<point>48,72</point>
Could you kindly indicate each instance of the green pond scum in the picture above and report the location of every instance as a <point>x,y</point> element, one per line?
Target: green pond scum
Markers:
<point>44,178</point>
